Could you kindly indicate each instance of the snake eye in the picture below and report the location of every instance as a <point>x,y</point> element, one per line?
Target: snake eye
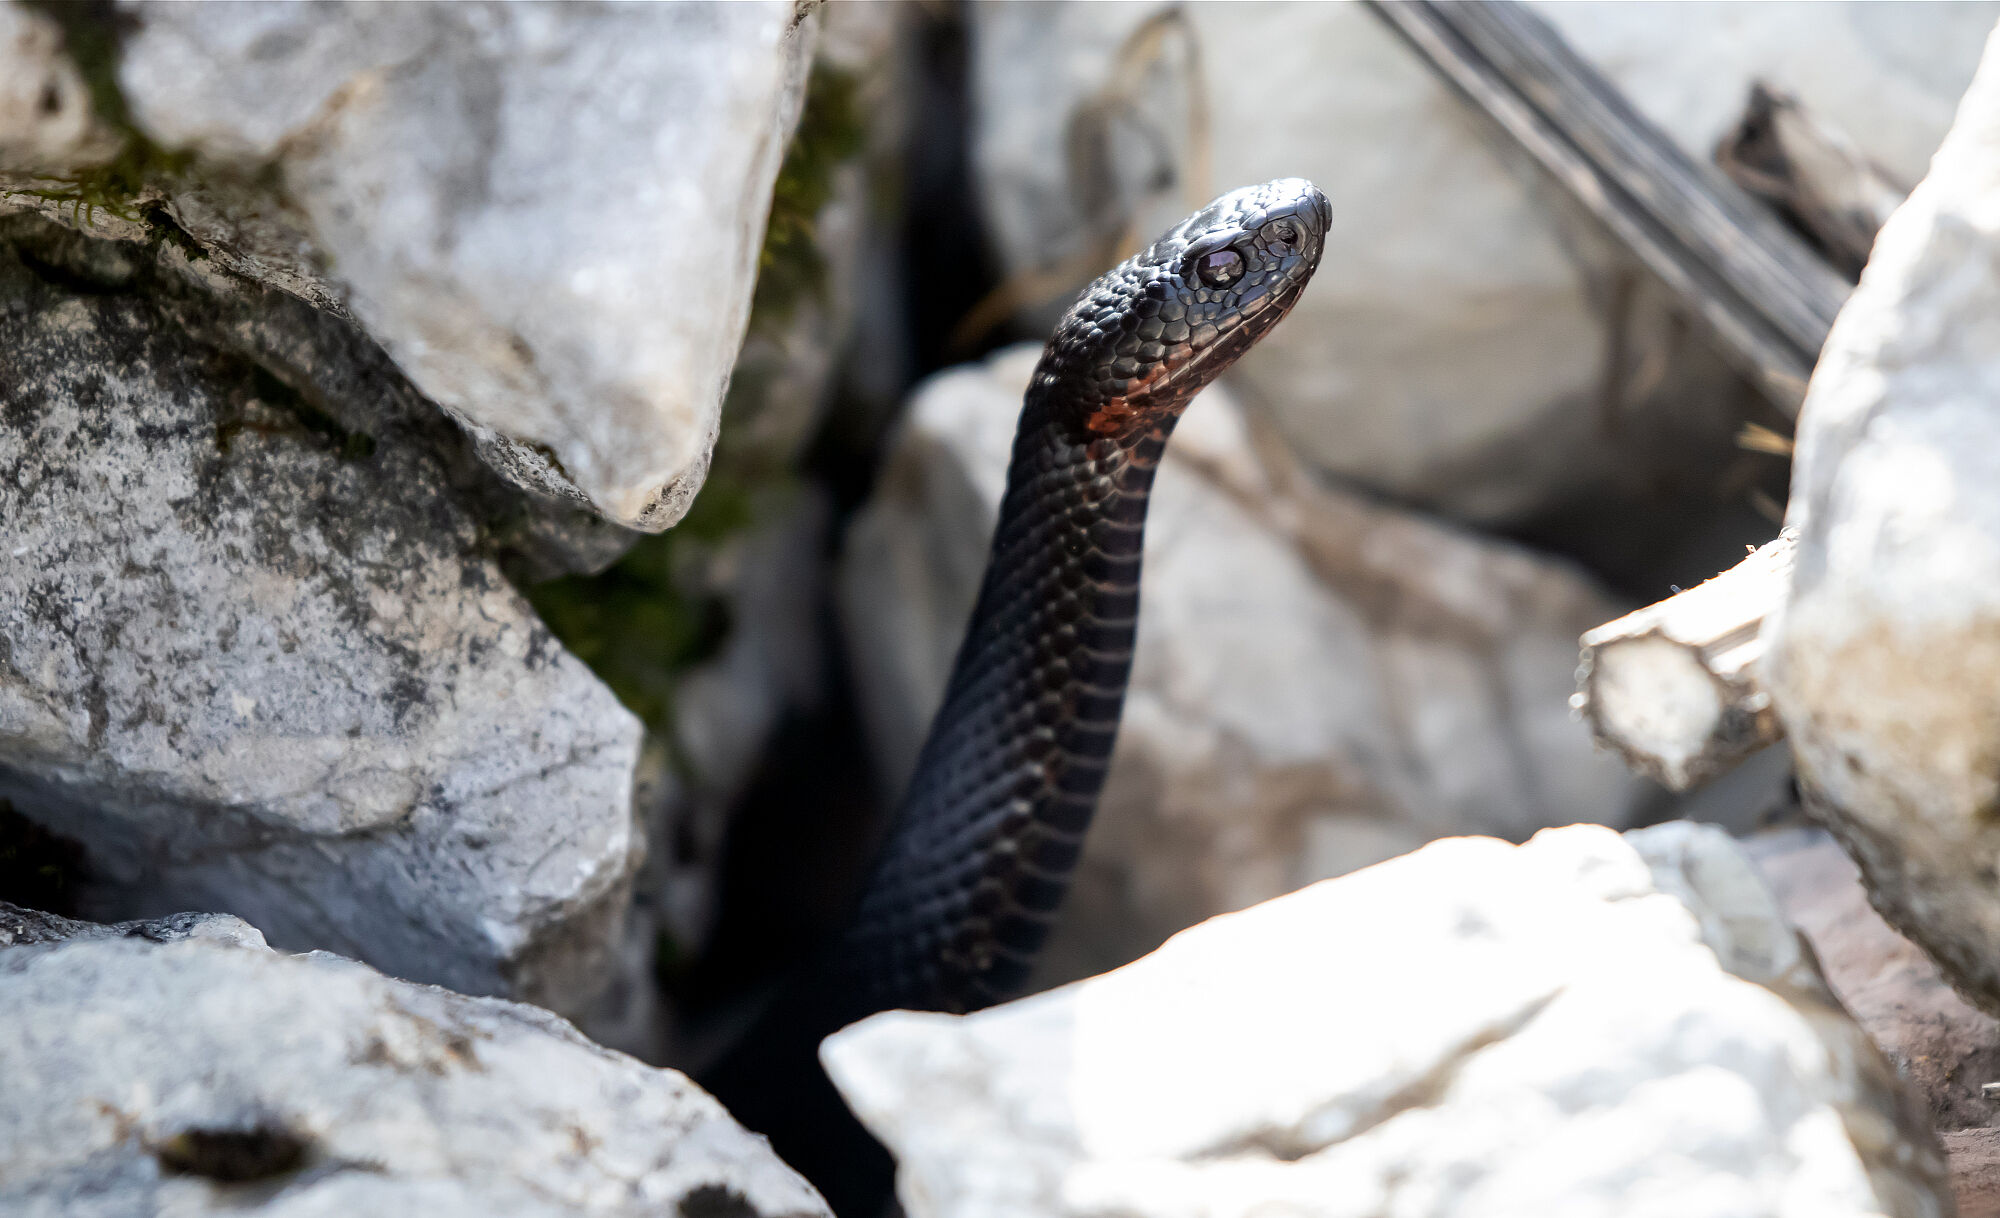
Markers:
<point>1282,236</point>
<point>1220,268</point>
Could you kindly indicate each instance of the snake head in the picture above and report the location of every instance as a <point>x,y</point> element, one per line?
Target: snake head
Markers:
<point>1149,334</point>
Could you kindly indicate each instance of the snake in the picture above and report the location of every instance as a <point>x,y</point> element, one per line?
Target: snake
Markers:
<point>980,853</point>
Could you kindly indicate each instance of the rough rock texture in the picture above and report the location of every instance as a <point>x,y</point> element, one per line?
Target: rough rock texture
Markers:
<point>254,653</point>
<point>1947,1048</point>
<point>550,215</point>
<point>1884,661</point>
<point>1472,341</point>
<point>1584,1025</point>
<point>198,1077</point>
<point>26,927</point>
<point>1319,683</point>
<point>1975,1171</point>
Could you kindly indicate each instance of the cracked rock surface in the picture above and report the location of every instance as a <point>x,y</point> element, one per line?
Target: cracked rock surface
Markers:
<point>549,214</point>
<point>200,1076</point>
<point>1587,1025</point>
<point>1319,682</point>
<point>254,653</point>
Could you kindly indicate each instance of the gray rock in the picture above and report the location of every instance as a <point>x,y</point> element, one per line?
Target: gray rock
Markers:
<point>254,653</point>
<point>550,215</point>
<point>1585,1025</point>
<point>197,1077</point>
<point>1882,660</point>
<point>26,927</point>
<point>1319,682</point>
<point>1472,342</point>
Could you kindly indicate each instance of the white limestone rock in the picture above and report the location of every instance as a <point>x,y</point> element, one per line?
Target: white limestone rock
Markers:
<point>255,654</point>
<point>549,215</point>
<point>1585,1025</point>
<point>1319,682</point>
<point>1884,661</point>
<point>199,1077</point>
<point>1472,341</point>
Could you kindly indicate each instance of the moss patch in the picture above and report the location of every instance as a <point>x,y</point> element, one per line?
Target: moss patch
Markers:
<point>830,133</point>
<point>636,625</point>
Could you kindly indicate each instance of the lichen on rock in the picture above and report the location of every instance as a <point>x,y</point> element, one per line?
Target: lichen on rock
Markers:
<point>256,653</point>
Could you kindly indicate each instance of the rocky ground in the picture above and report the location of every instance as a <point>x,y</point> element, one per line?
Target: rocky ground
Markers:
<point>488,498</point>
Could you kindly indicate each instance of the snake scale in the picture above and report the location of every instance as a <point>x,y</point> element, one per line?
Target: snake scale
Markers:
<point>979,857</point>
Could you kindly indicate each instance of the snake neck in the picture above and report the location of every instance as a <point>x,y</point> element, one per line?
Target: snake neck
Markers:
<point>981,851</point>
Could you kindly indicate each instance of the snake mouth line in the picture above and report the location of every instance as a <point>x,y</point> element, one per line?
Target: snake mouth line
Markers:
<point>1228,346</point>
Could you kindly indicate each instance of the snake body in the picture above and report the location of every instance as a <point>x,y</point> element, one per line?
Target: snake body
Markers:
<point>979,856</point>
<point>1004,788</point>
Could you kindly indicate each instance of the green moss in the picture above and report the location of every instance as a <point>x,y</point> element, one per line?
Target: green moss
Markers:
<point>635,626</point>
<point>830,133</point>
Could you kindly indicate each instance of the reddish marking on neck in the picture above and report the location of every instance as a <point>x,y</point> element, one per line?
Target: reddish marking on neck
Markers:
<point>1113,418</point>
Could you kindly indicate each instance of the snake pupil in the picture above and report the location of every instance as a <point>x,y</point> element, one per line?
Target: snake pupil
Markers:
<point>1221,268</point>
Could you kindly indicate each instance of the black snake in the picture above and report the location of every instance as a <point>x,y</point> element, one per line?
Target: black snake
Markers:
<point>980,854</point>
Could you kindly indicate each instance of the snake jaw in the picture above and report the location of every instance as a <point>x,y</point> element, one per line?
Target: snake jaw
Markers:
<point>1149,334</point>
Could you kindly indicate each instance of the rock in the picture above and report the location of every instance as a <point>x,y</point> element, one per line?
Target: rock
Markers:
<point>46,122</point>
<point>1473,342</point>
<point>831,247</point>
<point>201,1077</point>
<point>1944,1046</point>
<point>255,652</point>
<point>549,215</point>
<point>748,567</point>
<point>1975,1171</point>
<point>27,927</point>
<point>1583,1025</point>
<point>1881,660</point>
<point>762,586</point>
<point>1319,683</point>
